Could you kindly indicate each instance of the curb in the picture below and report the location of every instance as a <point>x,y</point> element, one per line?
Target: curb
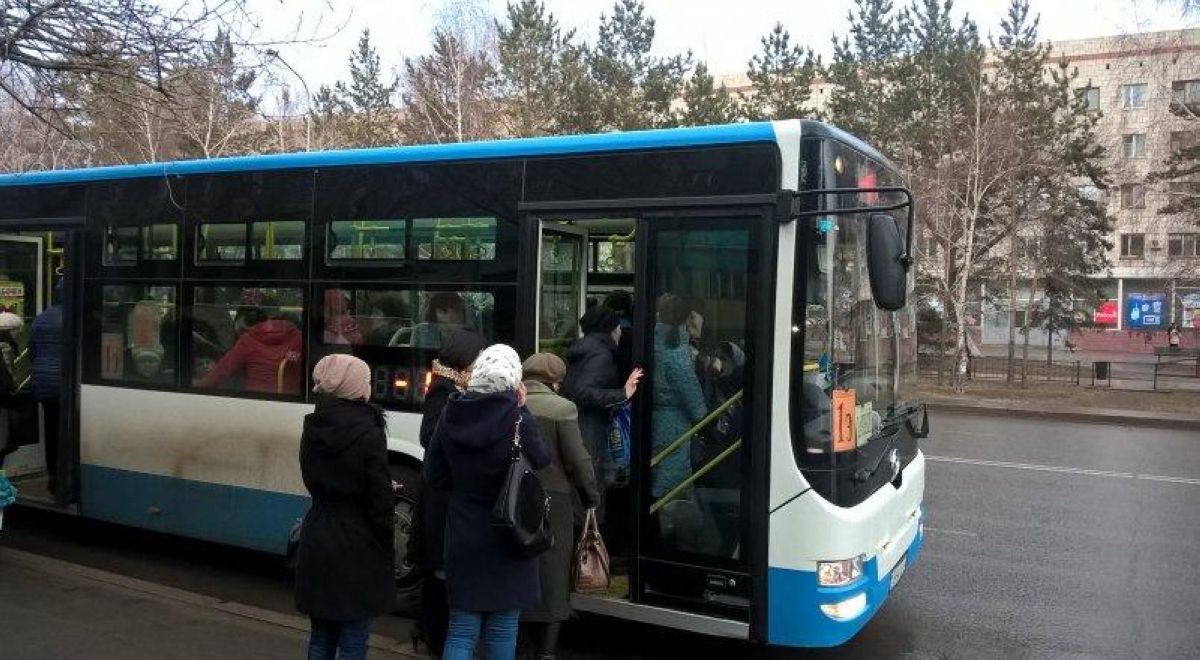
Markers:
<point>58,567</point>
<point>1094,415</point>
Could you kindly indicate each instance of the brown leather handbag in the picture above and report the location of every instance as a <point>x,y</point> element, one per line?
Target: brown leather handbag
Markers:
<point>590,572</point>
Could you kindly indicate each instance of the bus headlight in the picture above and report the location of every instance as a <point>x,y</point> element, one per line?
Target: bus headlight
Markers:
<point>847,609</point>
<point>839,573</point>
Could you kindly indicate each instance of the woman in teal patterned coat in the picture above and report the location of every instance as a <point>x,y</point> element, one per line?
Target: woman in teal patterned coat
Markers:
<point>678,397</point>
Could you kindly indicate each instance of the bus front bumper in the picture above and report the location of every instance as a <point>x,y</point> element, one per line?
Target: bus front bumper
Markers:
<point>802,614</point>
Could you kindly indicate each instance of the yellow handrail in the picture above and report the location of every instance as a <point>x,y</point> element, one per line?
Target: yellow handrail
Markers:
<point>678,442</point>
<point>674,492</point>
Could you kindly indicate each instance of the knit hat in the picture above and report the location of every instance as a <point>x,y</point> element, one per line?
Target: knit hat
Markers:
<point>10,321</point>
<point>546,368</point>
<point>497,369</point>
<point>342,376</point>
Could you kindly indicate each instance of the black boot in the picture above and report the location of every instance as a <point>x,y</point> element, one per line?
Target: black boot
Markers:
<point>548,645</point>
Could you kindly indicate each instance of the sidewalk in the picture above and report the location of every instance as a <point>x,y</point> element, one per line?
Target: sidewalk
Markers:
<point>1117,416</point>
<point>54,609</point>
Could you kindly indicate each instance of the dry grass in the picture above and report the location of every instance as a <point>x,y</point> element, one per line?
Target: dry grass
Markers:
<point>1074,396</point>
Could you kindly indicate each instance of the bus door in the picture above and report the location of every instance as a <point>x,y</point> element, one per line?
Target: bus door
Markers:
<point>561,285</point>
<point>39,421</point>
<point>698,287</point>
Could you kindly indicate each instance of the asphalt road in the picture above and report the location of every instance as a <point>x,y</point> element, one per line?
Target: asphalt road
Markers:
<point>1044,539</point>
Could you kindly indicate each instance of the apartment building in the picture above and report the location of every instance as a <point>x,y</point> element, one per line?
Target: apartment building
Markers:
<point>1146,88</point>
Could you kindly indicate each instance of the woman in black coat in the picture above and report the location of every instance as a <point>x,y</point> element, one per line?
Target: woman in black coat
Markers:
<point>450,373</point>
<point>344,573</point>
<point>487,583</point>
<point>593,384</point>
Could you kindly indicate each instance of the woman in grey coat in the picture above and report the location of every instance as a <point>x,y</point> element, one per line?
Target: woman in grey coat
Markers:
<point>569,471</point>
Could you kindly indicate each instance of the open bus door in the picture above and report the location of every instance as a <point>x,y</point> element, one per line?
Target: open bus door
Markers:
<point>43,437</point>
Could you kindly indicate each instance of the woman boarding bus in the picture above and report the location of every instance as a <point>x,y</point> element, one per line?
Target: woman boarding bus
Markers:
<point>788,526</point>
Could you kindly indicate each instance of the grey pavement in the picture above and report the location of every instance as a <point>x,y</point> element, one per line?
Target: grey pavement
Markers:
<point>1046,538</point>
<point>54,609</point>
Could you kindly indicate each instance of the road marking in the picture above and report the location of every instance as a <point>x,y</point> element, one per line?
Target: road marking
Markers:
<point>951,532</point>
<point>1066,470</point>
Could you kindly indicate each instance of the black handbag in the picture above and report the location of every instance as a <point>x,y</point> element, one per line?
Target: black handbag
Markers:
<point>521,515</point>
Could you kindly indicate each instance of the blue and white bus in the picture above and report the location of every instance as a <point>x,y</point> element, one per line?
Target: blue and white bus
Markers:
<point>198,295</point>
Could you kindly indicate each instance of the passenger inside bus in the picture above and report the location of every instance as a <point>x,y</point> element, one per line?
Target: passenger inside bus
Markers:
<point>678,398</point>
<point>340,327</point>
<point>445,312</point>
<point>266,355</point>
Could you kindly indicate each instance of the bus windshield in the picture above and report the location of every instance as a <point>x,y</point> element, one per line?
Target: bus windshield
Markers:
<point>856,361</point>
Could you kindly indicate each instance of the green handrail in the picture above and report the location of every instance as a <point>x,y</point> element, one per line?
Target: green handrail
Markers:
<point>683,485</point>
<point>678,442</point>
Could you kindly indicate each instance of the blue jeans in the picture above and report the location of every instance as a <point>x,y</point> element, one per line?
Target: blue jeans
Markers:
<point>338,640</point>
<point>499,636</point>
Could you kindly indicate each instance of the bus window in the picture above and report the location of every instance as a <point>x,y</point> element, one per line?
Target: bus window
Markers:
<point>221,243</point>
<point>121,246</point>
<point>399,332</point>
<point>160,242</point>
<point>274,241</point>
<point>455,239</point>
<point>369,240</point>
<point>137,341</point>
<point>247,339</point>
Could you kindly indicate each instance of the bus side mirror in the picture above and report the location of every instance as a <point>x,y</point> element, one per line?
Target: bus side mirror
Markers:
<point>886,262</point>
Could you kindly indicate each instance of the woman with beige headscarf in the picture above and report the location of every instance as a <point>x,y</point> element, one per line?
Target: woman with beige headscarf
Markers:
<point>569,472</point>
<point>344,574</point>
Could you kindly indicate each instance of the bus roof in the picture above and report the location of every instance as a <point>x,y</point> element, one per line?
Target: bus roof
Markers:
<point>701,136</point>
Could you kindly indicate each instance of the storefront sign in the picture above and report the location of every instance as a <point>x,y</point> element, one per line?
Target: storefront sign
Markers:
<point>1146,311</point>
<point>1105,313</point>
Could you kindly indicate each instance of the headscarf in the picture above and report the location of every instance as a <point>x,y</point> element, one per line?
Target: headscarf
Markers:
<point>497,369</point>
<point>545,368</point>
<point>343,376</point>
<point>10,321</point>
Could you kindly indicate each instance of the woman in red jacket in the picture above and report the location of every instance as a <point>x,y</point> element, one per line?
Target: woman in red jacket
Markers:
<point>258,356</point>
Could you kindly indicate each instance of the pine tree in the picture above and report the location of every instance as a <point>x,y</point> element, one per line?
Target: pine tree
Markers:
<point>782,76</point>
<point>864,98</point>
<point>537,60</point>
<point>366,104</point>
<point>630,89</point>
<point>1047,201</point>
<point>705,102</point>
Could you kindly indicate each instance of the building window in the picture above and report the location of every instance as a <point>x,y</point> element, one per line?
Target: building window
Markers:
<point>247,339</point>
<point>1182,140</point>
<point>1133,96</point>
<point>1133,196</point>
<point>1185,97</point>
<point>1183,246</point>
<point>1133,246</point>
<point>1089,97</point>
<point>1028,248</point>
<point>1133,145</point>
<point>137,337</point>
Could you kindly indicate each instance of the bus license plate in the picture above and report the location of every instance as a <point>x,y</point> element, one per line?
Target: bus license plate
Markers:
<point>898,572</point>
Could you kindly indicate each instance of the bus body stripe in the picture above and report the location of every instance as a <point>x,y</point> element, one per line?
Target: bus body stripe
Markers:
<point>244,517</point>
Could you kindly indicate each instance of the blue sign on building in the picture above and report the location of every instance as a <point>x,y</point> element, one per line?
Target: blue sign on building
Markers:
<point>1146,311</point>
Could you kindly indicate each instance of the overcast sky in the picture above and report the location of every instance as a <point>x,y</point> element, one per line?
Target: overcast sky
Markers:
<point>724,33</point>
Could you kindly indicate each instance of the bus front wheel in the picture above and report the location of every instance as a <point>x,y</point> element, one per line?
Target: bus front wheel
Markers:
<point>407,480</point>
